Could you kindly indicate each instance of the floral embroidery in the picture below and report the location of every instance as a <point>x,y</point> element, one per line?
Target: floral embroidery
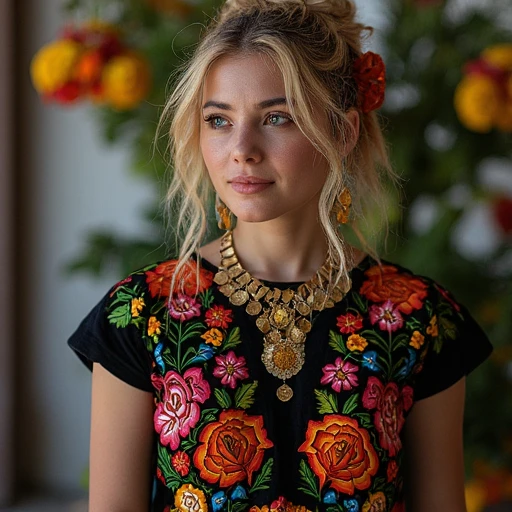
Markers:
<point>213,336</point>
<point>417,340</point>
<point>341,375</point>
<point>392,470</point>
<point>350,323</point>
<point>230,369</point>
<point>190,499</point>
<point>388,316</point>
<point>356,342</point>
<point>137,306</point>
<point>375,503</point>
<point>153,326</point>
<point>181,463</point>
<point>218,316</point>
<point>432,328</point>
<point>233,448</point>
<point>183,307</point>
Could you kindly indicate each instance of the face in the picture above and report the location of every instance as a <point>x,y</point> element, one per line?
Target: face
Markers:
<point>260,163</point>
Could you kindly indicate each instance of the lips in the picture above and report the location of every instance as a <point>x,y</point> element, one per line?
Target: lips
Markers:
<point>249,184</point>
<point>250,180</point>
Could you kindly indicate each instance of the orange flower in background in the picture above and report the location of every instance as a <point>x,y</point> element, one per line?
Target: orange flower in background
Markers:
<point>341,452</point>
<point>386,283</point>
<point>188,282</point>
<point>232,448</point>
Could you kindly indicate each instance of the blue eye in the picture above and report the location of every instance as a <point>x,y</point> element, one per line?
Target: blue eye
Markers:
<point>277,119</point>
<point>216,122</point>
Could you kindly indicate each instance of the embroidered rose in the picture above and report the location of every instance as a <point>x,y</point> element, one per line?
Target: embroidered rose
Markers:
<point>230,369</point>
<point>350,323</point>
<point>387,283</point>
<point>341,375</point>
<point>340,451</point>
<point>190,499</point>
<point>187,282</point>
<point>178,411</point>
<point>183,308</point>
<point>231,449</point>
<point>389,416</point>
<point>388,316</point>
<point>218,316</point>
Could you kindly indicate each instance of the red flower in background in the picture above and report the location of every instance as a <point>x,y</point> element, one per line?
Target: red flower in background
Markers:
<point>370,75</point>
<point>502,209</point>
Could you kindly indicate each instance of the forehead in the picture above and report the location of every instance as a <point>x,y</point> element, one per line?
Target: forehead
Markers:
<point>243,77</point>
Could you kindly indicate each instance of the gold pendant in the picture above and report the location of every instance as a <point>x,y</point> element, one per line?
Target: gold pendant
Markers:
<point>284,392</point>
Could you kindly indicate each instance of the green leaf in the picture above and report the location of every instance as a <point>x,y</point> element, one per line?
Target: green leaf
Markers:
<point>327,403</point>
<point>265,475</point>
<point>121,316</point>
<point>336,343</point>
<point>309,480</point>
<point>350,404</point>
<point>207,298</point>
<point>365,420</point>
<point>222,398</point>
<point>232,340</point>
<point>244,396</point>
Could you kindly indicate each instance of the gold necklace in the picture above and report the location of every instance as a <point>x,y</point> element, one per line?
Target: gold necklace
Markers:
<point>282,314</point>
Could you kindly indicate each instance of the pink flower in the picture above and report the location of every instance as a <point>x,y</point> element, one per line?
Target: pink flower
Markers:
<point>230,368</point>
<point>183,307</point>
<point>389,417</point>
<point>388,315</point>
<point>340,375</point>
<point>178,411</point>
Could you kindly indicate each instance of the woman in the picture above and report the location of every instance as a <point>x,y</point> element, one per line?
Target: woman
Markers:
<point>279,366</point>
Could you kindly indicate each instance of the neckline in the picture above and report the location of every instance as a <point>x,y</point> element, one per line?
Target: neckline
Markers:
<point>282,285</point>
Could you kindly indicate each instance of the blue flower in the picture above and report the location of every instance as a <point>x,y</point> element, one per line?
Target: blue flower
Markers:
<point>239,493</point>
<point>351,505</point>
<point>370,362</point>
<point>409,363</point>
<point>218,500</point>
<point>330,498</point>
<point>158,356</point>
<point>205,352</point>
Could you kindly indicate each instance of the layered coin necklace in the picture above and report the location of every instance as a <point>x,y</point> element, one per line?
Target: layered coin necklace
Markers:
<point>283,316</point>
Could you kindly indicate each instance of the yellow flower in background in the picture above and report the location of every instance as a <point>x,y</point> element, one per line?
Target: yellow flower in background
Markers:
<point>476,496</point>
<point>153,326</point>
<point>499,55</point>
<point>213,336</point>
<point>477,103</point>
<point>53,65</point>
<point>126,81</point>
<point>137,305</point>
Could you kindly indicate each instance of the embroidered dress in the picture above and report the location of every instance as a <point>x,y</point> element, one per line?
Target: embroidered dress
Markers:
<point>223,441</point>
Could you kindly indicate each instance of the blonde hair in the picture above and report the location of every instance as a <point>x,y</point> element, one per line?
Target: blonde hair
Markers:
<point>314,44</point>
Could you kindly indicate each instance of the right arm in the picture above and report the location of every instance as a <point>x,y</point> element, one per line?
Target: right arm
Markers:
<point>121,441</point>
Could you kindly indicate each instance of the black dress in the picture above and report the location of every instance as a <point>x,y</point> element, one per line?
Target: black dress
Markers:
<point>224,441</point>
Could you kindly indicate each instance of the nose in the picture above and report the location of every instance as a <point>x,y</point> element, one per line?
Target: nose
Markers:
<point>246,146</point>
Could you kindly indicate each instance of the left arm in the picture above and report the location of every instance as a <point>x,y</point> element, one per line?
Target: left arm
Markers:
<point>434,471</point>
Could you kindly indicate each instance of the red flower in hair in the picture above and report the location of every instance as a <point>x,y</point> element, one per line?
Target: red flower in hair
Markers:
<point>369,73</point>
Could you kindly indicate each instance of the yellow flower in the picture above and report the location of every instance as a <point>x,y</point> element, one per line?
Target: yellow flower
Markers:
<point>504,114</point>
<point>137,305</point>
<point>477,103</point>
<point>432,328</point>
<point>53,65</point>
<point>499,55</point>
<point>476,496</point>
<point>213,336</point>
<point>126,80</point>
<point>417,340</point>
<point>356,342</point>
<point>375,503</point>
<point>153,326</point>
<point>190,499</point>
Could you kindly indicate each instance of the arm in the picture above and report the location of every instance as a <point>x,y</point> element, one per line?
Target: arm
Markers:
<point>434,478</point>
<point>121,438</point>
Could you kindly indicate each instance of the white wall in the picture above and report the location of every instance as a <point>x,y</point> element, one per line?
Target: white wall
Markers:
<point>71,183</point>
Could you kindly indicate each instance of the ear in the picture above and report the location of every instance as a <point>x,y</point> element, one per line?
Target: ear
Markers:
<point>353,121</point>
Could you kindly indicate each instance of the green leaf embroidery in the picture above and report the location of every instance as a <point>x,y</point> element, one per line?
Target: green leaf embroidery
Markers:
<point>309,480</point>
<point>244,396</point>
<point>327,403</point>
<point>121,316</point>
<point>361,306</point>
<point>222,398</point>
<point>350,404</point>
<point>239,506</point>
<point>265,475</point>
<point>172,479</point>
<point>365,420</point>
<point>336,342</point>
<point>206,298</point>
<point>232,340</point>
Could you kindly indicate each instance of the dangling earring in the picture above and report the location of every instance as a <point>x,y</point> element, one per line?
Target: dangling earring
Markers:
<point>342,206</point>
<point>222,214</point>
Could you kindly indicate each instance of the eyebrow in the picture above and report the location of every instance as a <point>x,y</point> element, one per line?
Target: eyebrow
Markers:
<point>264,104</point>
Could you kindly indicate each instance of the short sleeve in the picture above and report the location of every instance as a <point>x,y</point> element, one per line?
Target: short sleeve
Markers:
<point>102,338</point>
<point>456,345</point>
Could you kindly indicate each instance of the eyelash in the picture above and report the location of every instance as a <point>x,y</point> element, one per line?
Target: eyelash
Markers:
<point>212,117</point>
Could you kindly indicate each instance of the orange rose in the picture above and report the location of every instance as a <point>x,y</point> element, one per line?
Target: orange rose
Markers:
<point>233,448</point>
<point>386,283</point>
<point>341,452</point>
<point>159,280</point>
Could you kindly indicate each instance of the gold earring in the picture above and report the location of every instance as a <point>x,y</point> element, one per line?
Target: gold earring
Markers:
<point>342,206</point>
<point>222,214</point>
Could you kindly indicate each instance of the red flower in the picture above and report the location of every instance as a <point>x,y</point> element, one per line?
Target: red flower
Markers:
<point>370,75</point>
<point>160,475</point>
<point>392,470</point>
<point>218,316</point>
<point>349,323</point>
<point>502,210</point>
<point>181,463</point>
